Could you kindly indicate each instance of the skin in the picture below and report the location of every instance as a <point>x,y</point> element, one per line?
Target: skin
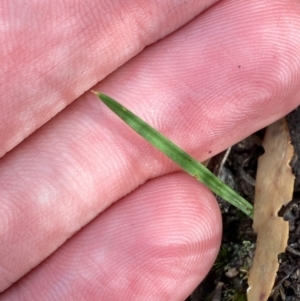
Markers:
<point>90,211</point>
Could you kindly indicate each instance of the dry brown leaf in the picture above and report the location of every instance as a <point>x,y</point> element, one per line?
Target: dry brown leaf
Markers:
<point>274,188</point>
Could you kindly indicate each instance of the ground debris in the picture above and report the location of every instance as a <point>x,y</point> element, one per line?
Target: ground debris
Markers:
<point>274,189</point>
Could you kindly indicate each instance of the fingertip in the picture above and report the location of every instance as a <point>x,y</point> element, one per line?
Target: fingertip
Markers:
<point>157,243</point>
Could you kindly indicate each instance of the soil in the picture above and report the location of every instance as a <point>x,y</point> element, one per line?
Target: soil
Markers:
<point>228,278</point>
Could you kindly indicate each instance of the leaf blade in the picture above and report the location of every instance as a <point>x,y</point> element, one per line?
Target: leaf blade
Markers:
<point>176,154</point>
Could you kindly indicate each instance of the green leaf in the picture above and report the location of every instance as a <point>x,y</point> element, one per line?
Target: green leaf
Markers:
<point>179,156</point>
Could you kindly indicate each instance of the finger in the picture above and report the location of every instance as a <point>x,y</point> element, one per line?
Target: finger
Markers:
<point>165,234</point>
<point>54,51</point>
<point>86,158</point>
<point>224,80</point>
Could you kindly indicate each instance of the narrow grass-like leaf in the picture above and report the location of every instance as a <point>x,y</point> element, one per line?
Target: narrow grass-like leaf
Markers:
<point>176,154</point>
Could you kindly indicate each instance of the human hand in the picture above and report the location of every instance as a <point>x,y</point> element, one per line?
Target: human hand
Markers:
<point>231,71</point>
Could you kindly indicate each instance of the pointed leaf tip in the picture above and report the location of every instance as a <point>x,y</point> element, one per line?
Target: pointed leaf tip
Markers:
<point>95,92</point>
<point>103,97</point>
